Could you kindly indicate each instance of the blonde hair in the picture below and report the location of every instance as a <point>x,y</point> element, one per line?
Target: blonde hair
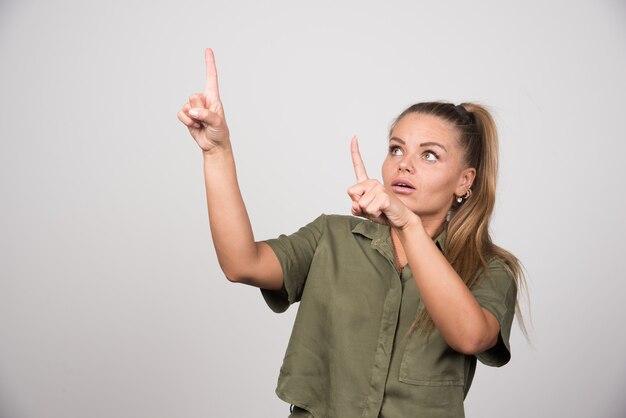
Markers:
<point>468,246</point>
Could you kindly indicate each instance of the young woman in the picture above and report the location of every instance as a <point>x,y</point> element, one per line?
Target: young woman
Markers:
<point>395,309</point>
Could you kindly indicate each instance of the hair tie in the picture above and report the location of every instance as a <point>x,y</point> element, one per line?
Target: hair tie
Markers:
<point>467,116</point>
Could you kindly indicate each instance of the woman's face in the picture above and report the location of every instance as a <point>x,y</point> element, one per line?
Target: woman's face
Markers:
<point>425,167</point>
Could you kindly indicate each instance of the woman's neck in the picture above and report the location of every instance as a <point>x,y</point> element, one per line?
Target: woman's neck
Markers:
<point>434,227</point>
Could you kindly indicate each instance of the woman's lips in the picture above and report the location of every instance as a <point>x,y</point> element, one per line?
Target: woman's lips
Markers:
<point>402,189</point>
<point>402,186</point>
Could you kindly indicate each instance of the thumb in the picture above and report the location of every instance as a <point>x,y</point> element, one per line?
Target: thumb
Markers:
<point>205,116</point>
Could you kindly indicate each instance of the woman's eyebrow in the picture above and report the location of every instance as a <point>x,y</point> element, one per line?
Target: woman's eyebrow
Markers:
<point>395,138</point>
<point>423,144</point>
<point>433,144</point>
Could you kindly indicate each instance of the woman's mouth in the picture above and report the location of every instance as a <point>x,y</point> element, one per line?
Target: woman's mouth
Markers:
<point>402,186</point>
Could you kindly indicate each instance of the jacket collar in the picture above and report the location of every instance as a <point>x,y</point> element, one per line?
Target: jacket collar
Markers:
<point>381,240</point>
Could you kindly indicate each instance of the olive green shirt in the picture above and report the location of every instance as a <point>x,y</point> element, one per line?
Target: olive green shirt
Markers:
<point>350,353</point>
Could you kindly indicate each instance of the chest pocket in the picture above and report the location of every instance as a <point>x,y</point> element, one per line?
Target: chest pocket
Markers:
<point>429,361</point>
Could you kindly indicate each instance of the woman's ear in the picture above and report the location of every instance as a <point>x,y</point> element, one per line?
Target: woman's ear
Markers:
<point>465,181</point>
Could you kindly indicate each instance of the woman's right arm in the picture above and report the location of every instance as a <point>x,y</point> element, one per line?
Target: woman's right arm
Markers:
<point>241,258</point>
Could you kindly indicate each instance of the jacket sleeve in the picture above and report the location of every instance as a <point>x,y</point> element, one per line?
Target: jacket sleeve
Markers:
<point>295,253</point>
<point>496,291</point>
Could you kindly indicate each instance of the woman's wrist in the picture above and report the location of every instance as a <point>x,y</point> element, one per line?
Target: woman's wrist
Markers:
<point>218,153</point>
<point>412,225</point>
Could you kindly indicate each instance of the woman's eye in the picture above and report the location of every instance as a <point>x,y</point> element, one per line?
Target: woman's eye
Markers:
<point>430,156</point>
<point>394,150</point>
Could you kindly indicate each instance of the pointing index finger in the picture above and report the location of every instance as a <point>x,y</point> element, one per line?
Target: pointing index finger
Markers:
<point>212,92</point>
<point>357,161</point>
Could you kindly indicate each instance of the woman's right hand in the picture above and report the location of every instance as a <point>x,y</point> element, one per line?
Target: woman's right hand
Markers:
<point>203,114</point>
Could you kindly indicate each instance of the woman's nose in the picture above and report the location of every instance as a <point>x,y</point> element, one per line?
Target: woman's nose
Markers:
<point>406,165</point>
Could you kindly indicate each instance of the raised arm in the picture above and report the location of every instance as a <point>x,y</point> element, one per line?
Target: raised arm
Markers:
<point>240,257</point>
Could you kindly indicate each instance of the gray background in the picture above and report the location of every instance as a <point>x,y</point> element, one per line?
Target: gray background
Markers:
<point>111,300</point>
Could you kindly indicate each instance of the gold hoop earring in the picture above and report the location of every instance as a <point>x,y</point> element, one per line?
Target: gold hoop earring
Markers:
<point>468,193</point>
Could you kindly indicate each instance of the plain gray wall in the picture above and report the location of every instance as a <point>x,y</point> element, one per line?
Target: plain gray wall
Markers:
<point>111,300</point>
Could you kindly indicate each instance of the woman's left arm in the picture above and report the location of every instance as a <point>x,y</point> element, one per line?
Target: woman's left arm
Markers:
<point>462,322</point>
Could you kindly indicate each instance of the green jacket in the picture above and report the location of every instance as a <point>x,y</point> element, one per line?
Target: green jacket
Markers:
<point>350,353</point>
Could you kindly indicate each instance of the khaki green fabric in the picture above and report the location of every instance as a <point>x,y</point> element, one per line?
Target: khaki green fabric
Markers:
<point>349,354</point>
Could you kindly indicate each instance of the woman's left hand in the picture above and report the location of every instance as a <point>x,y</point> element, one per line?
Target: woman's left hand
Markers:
<point>372,200</point>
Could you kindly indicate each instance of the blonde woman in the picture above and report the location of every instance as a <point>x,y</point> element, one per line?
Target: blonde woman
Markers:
<point>395,309</point>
